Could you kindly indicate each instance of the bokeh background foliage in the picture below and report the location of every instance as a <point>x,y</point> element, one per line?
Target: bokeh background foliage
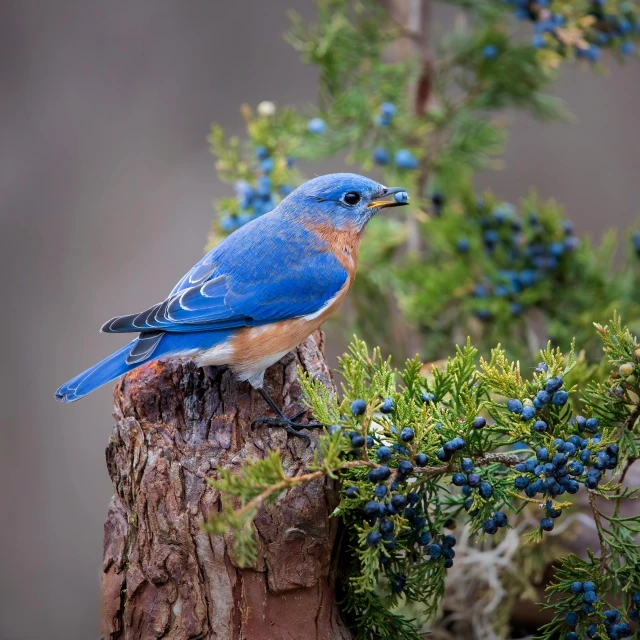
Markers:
<point>460,261</point>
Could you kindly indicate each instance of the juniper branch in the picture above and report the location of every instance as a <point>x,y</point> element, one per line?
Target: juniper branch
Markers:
<point>598,521</point>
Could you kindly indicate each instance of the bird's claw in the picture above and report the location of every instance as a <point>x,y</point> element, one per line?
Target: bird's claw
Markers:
<point>300,413</point>
<point>292,427</point>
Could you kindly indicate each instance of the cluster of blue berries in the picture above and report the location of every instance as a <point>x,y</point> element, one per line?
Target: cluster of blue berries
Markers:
<point>604,30</point>
<point>391,501</point>
<point>395,497</point>
<point>467,478</point>
<point>256,200</point>
<point>471,481</point>
<point>498,521</point>
<point>523,255</point>
<point>568,463</point>
<point>443,550</point>
<point>449,448</point>
<point>403,158</point>
<point>615,627</point>
<point>552,393</point>
<point>357,440</point>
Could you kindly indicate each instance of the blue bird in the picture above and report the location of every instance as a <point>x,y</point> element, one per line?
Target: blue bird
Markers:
<point>258,294</point>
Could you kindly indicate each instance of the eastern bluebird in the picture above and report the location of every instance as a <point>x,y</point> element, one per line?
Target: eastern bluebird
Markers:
<point>258,294</point>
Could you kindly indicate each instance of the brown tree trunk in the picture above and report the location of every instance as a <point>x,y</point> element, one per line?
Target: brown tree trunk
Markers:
<point>163,576</point>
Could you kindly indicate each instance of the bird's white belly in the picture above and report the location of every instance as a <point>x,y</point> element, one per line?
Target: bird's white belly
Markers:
<point>253,372</point>
<point>245,357</point>
<point>218,355</point>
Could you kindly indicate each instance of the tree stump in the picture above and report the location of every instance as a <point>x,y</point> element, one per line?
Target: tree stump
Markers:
<point>163,576</point>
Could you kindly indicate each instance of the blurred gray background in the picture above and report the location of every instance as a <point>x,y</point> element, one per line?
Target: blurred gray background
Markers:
<point>106,189</point>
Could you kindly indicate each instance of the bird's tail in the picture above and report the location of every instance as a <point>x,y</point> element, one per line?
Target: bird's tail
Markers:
<point>105,371</point>
<point>121,362</point>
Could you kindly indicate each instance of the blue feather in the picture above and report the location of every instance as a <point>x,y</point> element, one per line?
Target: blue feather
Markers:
<point>112,367</point>
<point>259,277</point>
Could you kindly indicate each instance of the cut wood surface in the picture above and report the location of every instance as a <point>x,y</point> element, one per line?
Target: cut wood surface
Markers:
<point>163,576</point>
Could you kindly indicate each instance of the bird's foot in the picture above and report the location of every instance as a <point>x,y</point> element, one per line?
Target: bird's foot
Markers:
<point>289,424</point>
<point>281,420</point>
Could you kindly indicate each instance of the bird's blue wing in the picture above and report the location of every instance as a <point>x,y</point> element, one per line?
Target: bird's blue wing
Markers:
<point>262,273</point>
<point>198,274</point>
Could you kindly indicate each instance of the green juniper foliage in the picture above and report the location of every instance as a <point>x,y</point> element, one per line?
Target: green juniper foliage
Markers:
<point>454,263</point>
<point>417,455</point>
<point>494,273</point>
<point>483,443</point>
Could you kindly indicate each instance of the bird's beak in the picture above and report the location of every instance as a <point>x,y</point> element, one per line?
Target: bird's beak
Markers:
<point>383,204</point>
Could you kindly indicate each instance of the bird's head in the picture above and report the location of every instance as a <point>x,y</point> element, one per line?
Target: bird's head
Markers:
<point>343,200</point>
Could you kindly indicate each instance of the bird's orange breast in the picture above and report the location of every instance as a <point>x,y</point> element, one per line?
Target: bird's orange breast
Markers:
<point>343,243</point>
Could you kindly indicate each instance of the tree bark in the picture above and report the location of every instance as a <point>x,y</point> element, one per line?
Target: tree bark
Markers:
<point>163,576</point>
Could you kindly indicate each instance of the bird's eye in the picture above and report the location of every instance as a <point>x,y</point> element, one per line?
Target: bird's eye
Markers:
<point>351,198</point>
